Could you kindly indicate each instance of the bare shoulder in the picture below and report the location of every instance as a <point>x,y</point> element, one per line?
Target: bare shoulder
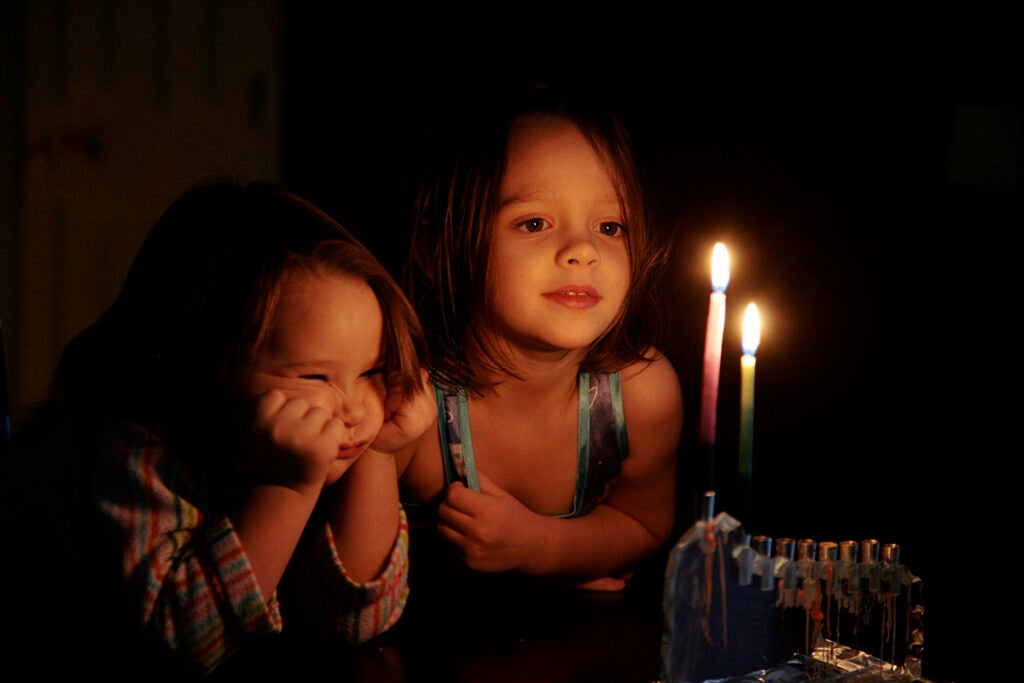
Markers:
<point>652,401</point>
<point>651,394</point>
<point>421,469</point>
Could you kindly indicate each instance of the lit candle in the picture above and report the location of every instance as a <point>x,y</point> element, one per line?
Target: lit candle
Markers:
<point>751,339</point>
<point>713,354</point>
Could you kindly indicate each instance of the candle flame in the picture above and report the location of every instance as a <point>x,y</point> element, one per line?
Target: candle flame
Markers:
<point>719,267</point>
<point>751,330</point>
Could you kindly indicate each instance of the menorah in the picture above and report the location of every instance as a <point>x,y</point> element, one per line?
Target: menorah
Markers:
<point>803,610</point>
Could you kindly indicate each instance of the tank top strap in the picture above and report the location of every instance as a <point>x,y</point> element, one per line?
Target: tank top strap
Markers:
<point>456,440</point>
<point>602,439</point>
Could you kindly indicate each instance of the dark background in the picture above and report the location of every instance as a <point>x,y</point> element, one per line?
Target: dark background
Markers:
<point>869,190</point>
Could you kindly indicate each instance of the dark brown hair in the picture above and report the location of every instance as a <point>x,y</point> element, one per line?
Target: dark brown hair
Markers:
<point>179,341</point>
<point>454,205</point>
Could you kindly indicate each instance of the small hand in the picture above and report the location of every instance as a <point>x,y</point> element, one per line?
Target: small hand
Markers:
<point>292,441</point>
<point>406,417</point>
<point>490,528</point>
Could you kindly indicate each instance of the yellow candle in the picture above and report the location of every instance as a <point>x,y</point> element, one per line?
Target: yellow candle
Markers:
<point>751,340</point>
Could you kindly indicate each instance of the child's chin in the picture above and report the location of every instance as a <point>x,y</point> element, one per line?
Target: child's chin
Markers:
<point>337,469</point>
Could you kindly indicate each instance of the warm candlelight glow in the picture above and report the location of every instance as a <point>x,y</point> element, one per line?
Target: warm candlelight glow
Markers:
<point>751,330</point>
<point>751,340</point>
<point>719,267</point>
<point>713,353</point>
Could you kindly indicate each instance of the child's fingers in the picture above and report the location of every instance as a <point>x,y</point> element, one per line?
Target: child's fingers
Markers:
<point>292,439</point>
<point>608,584</point>
<point>269,403</point>
<point>487,484</point>
<point>406,424</point>
<point>333,430</point>
<point>458,497</point>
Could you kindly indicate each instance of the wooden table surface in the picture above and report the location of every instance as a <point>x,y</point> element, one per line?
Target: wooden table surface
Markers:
<point>492,628</point>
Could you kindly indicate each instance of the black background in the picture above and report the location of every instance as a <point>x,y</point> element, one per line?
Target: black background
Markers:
<point>867,182</point>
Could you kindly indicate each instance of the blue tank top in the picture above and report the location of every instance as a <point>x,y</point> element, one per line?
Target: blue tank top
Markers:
<point>602,441</point>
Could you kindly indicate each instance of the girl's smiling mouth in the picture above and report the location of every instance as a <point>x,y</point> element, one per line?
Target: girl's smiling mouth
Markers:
<point>579,297</point>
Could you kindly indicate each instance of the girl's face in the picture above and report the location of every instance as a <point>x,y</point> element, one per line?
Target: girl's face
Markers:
<point>559,260</point>
<point>325,347</point>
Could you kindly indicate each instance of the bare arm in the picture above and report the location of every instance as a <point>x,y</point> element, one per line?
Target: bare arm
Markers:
<point>365,514</point>
<point>495,532</point>
<point>287,459</point>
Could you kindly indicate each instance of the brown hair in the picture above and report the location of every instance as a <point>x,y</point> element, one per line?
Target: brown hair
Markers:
<point>179,340</point>
<point>454,205</point>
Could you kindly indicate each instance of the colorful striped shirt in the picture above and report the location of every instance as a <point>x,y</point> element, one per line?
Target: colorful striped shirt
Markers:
<point>182,574</point>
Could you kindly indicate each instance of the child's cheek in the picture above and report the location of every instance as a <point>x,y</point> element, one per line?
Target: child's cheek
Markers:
<point>375,413</point>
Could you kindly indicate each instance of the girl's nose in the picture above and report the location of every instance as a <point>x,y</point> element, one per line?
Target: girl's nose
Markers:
<point>579,252</point>
<point>351,409</point>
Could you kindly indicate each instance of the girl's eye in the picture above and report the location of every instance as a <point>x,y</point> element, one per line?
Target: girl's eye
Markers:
<point>532,225</point>
<point>373,372</point>
<point>318,378</point>
<point>611,229</point>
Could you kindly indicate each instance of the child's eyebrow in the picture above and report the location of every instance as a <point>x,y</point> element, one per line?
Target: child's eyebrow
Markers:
<point>526,198</point>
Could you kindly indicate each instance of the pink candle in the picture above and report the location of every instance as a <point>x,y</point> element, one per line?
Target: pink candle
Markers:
<point>713,343</point>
